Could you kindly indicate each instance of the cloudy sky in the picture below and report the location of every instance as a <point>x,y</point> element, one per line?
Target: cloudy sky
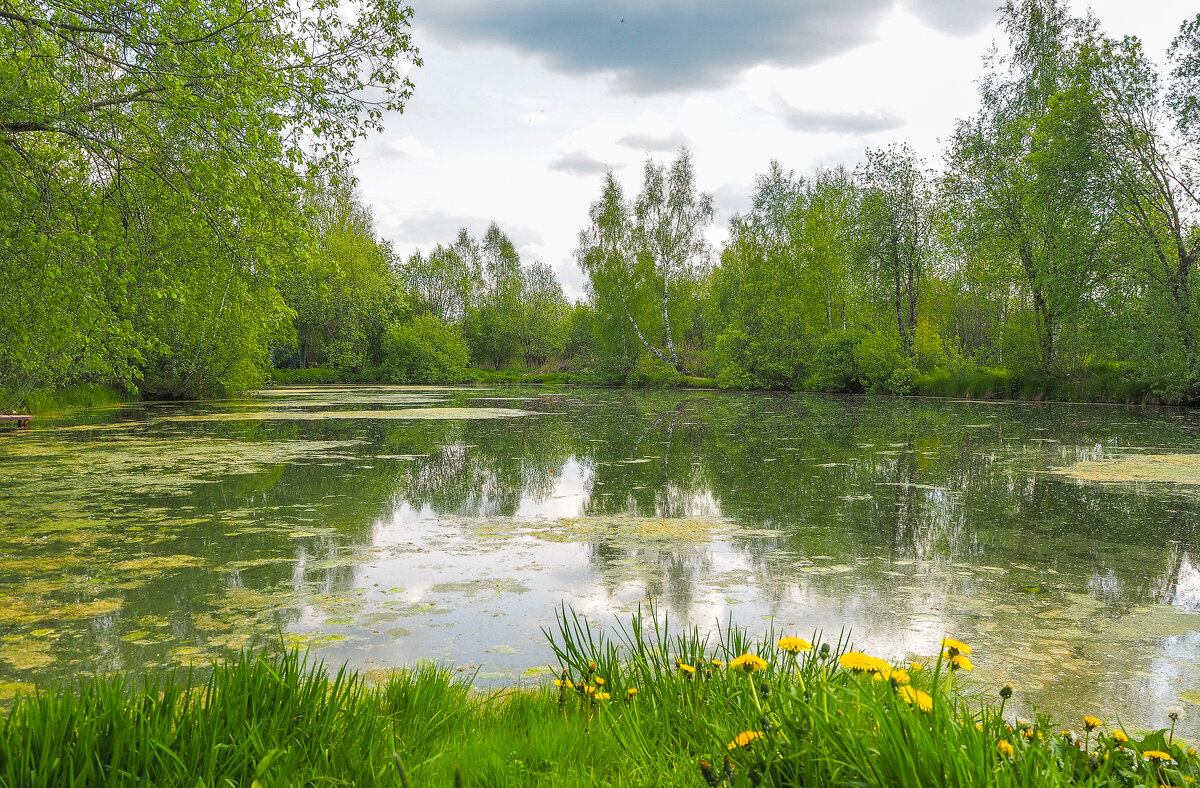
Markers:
<point>521,105</point>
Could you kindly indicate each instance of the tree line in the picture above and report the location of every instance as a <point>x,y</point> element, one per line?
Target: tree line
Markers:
<point>169,227</point>
<point>1053,252</point>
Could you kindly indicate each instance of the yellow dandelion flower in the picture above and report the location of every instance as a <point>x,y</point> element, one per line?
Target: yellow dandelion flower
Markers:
<point>793,645</point>
<point>1004,748</point>
<point>686,669</point>
<point>602,696</point>
<point>900,676</point>
<point>1092,723</point>
<point>950,644</point>
<point>599,682</point>
<point>748,663</point>
<point>1192,752</point>
<point>1156,755</point>
<point>979,726</point>
<point>591,667</point>
<point>1119,736</point>
<point>564,683</point>
<point>860,662</point>
<point>959,661</point>
<point>744,738</point>
<point>915,697</point>
<point>915,666</point>
<point>629,693</point>
<point>717,663</point>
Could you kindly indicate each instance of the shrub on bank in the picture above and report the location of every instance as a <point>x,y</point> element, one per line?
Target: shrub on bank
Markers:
<point>424,350</point>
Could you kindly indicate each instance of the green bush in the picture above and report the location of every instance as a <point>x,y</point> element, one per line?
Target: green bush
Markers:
<point>425,350</point>
<point>835,365</point>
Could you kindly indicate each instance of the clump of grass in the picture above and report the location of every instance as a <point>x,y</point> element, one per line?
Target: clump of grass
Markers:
<point>641,706</point>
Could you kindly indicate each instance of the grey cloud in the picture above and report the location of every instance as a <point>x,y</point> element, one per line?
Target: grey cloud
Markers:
<point>653,46</point>
<point>652,142</point>
<point>957,17</point>
<point>818,120</point>
<point>441,227</point>
<point>578,163</point>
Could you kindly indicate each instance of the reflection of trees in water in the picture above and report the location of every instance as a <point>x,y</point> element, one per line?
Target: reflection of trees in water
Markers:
<point>674,575</point>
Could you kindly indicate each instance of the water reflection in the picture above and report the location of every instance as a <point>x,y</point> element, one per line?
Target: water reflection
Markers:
<point>140,537</point>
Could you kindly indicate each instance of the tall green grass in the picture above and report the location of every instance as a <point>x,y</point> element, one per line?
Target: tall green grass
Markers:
<point>639,706</point>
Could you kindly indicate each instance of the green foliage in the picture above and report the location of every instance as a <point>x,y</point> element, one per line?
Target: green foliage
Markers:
<point>152,192</point>
<point>835,364</point>
<point>424,350</point>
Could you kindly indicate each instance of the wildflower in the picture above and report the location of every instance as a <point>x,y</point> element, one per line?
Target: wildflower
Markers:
<point>916,697</point>
<point>915,666</point>
<point>952,645</point>
<point>599,682</point>
<point>793,645</point>
<point>564,683</point>
<point>1005,692</point>
<point>1192,751</point>
<point>602,696</point>
<point>748,663</point>
<point>716,663</point>
<point>1092,723</point>
<point>744,738</point>
<point>1119,736</point>
<point>862,663</point>
<point>1004,748</point>
<point>1156,755</point>
<point>959,661</point>
<point>629,693</point>
<point>686,669</point>
<point>900,676</point>
<point>591,667</point>
<point>979,726</point>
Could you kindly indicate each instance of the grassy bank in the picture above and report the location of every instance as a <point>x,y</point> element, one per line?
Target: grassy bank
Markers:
<point>657,710</point>
<point>47,401</point>
<point>318,376</point>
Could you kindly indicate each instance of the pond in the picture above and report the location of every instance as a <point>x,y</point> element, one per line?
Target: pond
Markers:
<point>381,526</point>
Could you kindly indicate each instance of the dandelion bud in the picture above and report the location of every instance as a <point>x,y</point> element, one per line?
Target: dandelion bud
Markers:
<point>1006,692</point>
<point>825,651</point>
<point>710,776</point>
<point>1174,713</point>
<point>764,690</point>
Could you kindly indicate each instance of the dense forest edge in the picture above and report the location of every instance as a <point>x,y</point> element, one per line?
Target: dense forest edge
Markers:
<point>150,250</point>
<point>664,709</point>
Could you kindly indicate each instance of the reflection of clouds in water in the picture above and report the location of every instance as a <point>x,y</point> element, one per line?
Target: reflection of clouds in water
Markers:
<point>1184,589</point>
<point>568,497</point>
<point>1105,585</point>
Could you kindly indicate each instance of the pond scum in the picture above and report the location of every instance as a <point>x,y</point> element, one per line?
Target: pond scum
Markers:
<point>644,708</point>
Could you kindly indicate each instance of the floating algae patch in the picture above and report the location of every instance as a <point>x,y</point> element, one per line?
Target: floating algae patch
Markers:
<point>483,586</point>
<point>322,415</point>
<point>26,654</point>
<point>1171,468</point>
<point>159,563</point>
<point>635,531</point>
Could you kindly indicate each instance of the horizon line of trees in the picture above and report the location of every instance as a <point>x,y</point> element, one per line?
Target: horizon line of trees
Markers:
<point>145,245</point>
<point>1059,239</point>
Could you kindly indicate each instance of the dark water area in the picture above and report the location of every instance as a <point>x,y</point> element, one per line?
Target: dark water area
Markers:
<point>381,526</point>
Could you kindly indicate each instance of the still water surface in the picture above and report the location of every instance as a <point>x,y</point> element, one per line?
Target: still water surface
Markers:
<point>385,525</point>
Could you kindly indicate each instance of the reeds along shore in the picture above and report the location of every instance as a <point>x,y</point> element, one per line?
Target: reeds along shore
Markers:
<point>646,707</point>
